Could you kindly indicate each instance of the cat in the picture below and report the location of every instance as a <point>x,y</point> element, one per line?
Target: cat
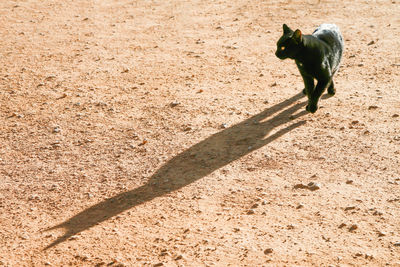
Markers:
<point>317,56</point>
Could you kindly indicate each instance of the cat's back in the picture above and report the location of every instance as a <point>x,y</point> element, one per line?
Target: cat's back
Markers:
<point>330,34</point>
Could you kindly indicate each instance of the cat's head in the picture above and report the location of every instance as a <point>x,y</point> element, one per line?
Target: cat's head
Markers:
<point>289,44</point>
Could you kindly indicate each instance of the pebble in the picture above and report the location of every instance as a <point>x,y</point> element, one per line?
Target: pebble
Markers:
<point>164,252</point>
<point>143,142</point>
<point>290,227</point>
<point>397,244</point>
<point>310,186</point>
<point>372,107</point>
<point>353,227</point>
<point>369,256</point>
<point>268,251</point>
<point>174,104</point>
<point>34,197</point>
<point>313,186</point>
<point>73,237</point>
<point>224,126</point>
<point>255,205</point>
<point>377,213</point>
<point>56,129</point>
<point>158,264</point>
<point>380,234</point>
<point>349,181</point>
<point>299,186</point>
<point>179,257</point>
<point>251,211</point>
<point>300,206</point>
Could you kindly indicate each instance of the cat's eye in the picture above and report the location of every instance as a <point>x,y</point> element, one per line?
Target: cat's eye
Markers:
<point>283,48</point>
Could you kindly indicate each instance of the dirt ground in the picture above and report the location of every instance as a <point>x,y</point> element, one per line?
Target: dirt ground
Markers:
<point>167,133</point>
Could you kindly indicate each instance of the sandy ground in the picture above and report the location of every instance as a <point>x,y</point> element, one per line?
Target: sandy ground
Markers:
<point>167,133</point>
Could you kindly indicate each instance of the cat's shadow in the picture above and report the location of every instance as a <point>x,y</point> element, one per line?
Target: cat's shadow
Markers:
<point>194,163</point>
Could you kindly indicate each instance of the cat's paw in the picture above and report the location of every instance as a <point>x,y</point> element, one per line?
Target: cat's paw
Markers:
<point>311,108</point>
<point>331,91</point>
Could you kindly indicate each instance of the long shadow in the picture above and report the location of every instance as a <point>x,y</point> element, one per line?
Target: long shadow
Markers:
<point>194,163</point>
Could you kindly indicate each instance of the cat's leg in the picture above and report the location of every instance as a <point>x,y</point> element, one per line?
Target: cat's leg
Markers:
<point>308,84</point>
<point>331,89</point>
<point>316,94</point>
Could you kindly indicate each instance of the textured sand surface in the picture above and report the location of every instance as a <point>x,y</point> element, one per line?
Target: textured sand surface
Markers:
<point>167,133</point>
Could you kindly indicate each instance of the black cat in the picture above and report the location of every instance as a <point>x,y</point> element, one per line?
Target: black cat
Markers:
<point>317,57</point>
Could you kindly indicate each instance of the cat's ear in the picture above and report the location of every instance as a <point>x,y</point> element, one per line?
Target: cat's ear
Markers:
<point>297,36</point>
<point>286,29</point>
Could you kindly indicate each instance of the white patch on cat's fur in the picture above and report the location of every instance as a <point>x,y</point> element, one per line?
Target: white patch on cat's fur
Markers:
<point>332,28</point>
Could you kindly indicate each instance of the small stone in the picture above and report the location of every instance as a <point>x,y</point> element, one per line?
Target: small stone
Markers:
<point>179,257</point>
<point>371,43</point>
<point>380,234</point>
<point>73,237</point>
<point>349,181</point>
<point>64,95</point>
<point>264,202</point>
<point>395,116</point>
<point>369,256</point>
<point>158,264</point>
<point>313,186</point>
<point>34,197</point>
<point>290,227</point>
<point>342,225</point>
<point>143,142</point>
<point>164,252</point>
<point>250,212</point>
<point>255,205</point>
<point>397,244</point>
<point>372,107</point>
<point>268,251</point>
<point>300,206</point>
<point>174,104</point>
<point>299,186</point>
<point>56,129</point>
<point>377,213</point>
<point>224,126</point>
<point>353,228</point>
<point>349,208</point>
